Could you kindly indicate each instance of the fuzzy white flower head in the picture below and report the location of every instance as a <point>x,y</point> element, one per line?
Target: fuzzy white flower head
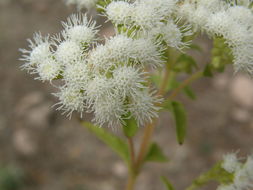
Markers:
<point>230,162</point>
<point>147,52</point>
<point>120,48</point>
<point>76,74</point>
<point>163,7</point>
<point>48,70</point>
<point>71,99</point>
<point>173,36</point>
<point>83,3</point>
<point>145,16</point>
<point>119,12</point>
<point>142,107</point>
<point>79,29</point>
<point>196,16</point>
<point>109,110</point>
<point>219,23</point>
<point>39,51</point>
<point>100,59</point>
<point>97,88</point>
<point>199,17</point>
<point>242,15</point>
<point>68,52</point>
<point>128,80</point>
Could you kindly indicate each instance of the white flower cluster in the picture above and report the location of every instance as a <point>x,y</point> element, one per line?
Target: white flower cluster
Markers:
<point>152,18</point>
<point>109,79</point>
<point>106,79</point>
<point>232,20</point>
<point>242,172</point>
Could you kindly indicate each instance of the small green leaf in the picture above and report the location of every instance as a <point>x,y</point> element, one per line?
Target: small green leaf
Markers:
<point>155,154</point>
<point>116,143</point>
<point>180,119</point>
<point>208,71</point>
<point>189,92</point>
<point>130,128</point>
<point>168,185</point>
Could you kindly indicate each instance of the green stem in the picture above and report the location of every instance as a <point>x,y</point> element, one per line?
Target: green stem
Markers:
<point>131,168</point>
<point>185,83</point>
<point>149,129</point>
<point>131,181</point>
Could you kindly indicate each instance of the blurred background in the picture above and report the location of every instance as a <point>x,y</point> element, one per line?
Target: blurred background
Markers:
<point>42,150</point>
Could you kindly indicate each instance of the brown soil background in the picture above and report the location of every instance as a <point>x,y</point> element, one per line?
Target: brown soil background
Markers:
<point>55,153</point>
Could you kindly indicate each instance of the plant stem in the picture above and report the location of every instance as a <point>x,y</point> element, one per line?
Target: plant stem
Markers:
<point>149,129</point>
<point>131,170</point>
<point>185,83</point>
<point>131,181</point>
<point>131,149</point>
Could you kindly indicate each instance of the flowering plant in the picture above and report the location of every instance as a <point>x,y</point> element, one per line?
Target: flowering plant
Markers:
<point>127,79</point>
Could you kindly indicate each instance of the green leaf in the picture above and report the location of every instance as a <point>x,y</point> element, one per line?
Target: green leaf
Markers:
<point>116,143</point>
<point>189,92</point>
<point>208,71</point>
<point>155,154</point>
<point>168,185</point>
<point>130,128</point>
<point>180,119</point>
